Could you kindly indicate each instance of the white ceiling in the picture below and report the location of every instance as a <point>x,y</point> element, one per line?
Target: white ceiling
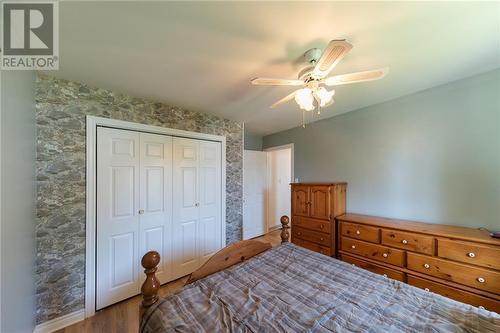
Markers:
<point>202,56</point>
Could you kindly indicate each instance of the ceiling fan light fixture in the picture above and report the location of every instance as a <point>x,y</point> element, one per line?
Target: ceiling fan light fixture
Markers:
<point>315,76</point>
<point>325,97</point>
<point>305,99</point>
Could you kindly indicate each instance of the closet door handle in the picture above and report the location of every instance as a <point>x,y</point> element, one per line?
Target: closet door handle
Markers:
<point>197,204</point>
<point>141,211</point>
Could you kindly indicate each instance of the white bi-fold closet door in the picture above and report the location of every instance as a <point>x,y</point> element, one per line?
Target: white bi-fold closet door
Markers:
<point>196,203</point>
<point>154,192</point>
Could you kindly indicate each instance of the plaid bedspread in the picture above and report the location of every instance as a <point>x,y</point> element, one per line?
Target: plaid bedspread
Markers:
<point>291,289</point>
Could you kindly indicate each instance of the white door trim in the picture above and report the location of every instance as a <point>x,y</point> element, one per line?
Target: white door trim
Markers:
<point>91,154</point>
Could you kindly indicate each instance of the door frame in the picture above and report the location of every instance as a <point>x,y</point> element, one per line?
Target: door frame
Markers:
<point>91,196</point>
<point>270,149</point>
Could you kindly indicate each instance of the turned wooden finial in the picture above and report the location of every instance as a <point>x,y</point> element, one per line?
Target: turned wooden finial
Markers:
<point>284,230</point>
<point>151,285</point>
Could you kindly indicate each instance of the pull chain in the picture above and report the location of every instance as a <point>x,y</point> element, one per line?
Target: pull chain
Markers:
<point>303,119</point>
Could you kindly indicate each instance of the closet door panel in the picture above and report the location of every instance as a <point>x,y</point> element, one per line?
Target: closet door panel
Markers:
<point>117,215</point>
<point>209,231</point>
<point>185,206</point>
<point>156,200</point>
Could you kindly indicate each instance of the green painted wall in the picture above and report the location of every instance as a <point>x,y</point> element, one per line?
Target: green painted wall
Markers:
<point>432,156</point>
<point>17,201</point>
<point>252,141</point>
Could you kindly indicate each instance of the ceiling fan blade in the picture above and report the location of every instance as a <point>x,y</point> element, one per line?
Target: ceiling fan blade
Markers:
<point>284,100</point>
<point>264,81</point>
<point>334,52</point>
<point>356,77</point>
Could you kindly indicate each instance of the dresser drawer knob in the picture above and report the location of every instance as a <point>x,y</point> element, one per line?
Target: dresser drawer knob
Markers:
<point>358,232</point>
<point>427,266</point>
<point>322,226</point>
<point>481,280</point>
<point>481,307</point>
<point>385,255</point>
<point>353,246</point>
<point>427,289</point>
<point>471,254</point>
<point>385,275</point>
<point>322,239</point>
<point>404,241</point>
<point>354,265</point>
<point>299,233</point>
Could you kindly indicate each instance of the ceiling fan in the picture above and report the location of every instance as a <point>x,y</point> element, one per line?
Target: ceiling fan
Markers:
<point>314,77</point>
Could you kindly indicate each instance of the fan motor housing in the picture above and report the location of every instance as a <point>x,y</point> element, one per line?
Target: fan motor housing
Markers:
<point>305,74</point>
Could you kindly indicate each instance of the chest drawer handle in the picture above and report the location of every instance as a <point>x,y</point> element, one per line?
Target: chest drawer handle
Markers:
<point>481,307</point>
<point>358,232</point>
<point>353,246</point>
<point>322,239</point>
<point>427,289</point>
<point>481,280</point>
<point>385,275</point>
<point>322,226</point>
<point>385,255</point>
<point>427,266</point>
<point>471,254</point>
<point>299,233</point>
<point>404,241</point>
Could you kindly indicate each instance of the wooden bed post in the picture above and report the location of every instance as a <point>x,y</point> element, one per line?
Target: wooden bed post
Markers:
<point>151,285</point>
<point>285,235</point>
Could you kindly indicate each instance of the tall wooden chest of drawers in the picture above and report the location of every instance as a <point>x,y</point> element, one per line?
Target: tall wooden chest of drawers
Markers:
<point>456,262</point>
<point>314,208</point>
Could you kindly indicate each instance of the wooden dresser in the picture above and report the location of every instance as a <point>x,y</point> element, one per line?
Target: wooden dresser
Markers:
<point>314,208</point>
<point>460,263</point>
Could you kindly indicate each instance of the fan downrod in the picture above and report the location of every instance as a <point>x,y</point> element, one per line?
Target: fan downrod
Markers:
<point>311,57</point>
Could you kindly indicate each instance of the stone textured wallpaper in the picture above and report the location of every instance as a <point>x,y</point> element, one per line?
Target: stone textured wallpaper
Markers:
<point>61,107</point>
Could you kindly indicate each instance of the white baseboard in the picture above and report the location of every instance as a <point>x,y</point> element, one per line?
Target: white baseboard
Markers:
<point>273,228</point>
<point>60,322</point>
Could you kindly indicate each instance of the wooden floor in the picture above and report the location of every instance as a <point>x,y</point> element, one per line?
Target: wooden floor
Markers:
<point>124,316</point>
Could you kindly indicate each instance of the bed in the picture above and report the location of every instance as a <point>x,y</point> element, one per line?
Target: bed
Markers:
<point>252,287</point>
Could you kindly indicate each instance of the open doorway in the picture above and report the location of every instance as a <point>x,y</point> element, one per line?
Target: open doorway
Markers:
<point>266,189</point>
<point>279,177</point>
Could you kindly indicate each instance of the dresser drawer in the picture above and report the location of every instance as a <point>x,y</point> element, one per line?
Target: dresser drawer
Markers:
<point>456,294</point>
<point>408,241</point>
<point>312,224</point>
<point>387,272</point>
<point>471,253</point>
<point>373,251</point>
<point>359,231</point>
<point>312,236</point>
<point>474,277</point>
<point>328,251</point>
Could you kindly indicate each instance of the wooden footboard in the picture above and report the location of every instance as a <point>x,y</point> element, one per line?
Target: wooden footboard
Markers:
<point>227,257</point>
